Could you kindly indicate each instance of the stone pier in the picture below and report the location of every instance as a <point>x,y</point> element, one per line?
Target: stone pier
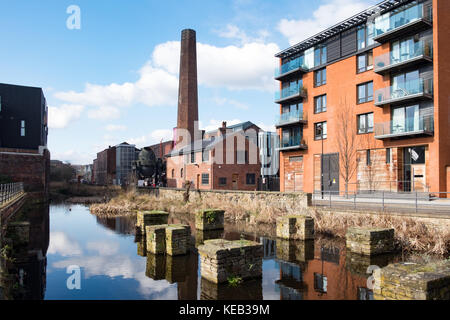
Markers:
<point>359,264</point>
<point>370,242</point>
<point>223,259</point>
<point>411,281</point>
<point>295,250</point>
<point>202,235</point>
<point>210,219</point>
<point>156,266</point>
<point>149,218</point>
<point>165,267</point>
<point>142,247</point>
<point>172,239</point>
<point>295,227</point>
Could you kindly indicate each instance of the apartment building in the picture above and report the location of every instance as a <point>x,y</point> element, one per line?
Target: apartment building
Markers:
<point>364,104</point>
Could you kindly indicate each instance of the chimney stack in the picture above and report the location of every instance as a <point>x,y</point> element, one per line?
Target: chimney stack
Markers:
<point>187,90</point>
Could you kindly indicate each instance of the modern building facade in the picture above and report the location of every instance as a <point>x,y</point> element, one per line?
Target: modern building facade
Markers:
<point>269,144</point>
<point>23,117</point>
<point>364,105</point>
<point>126,154</point>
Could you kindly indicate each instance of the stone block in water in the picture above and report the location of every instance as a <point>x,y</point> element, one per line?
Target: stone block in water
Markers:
<point>210,219</point>
<point>177,240</point>
<point>156,266</point>
<point>156,239</point>
<point>223,259</point>
<point>142,247</point>
<point>202,235</point>
<point>367,241</point>
<point>150,218</point>
<point>296,227</point>
<point>248,290</point>
<point>411,281</point>
<point>295,250</point>
<point>176,267</point>
<point>359,264</point>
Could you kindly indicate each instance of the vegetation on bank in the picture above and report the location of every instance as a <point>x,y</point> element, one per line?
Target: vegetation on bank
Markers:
<point>412,234</point>
<point>84,193</point>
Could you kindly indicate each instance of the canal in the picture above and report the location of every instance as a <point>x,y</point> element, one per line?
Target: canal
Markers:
<point>113,264</point>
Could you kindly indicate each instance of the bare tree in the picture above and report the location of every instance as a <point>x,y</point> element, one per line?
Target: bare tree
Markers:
<point>346,142</point>
<point>371,169</point>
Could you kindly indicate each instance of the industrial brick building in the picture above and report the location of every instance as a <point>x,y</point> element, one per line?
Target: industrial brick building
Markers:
<point>104,167</point>
<point>365,103</point>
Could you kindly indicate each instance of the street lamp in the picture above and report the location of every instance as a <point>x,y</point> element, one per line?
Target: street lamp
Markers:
<point>320,129</point>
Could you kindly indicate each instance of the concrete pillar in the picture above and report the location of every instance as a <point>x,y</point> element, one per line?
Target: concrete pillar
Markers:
<point>156,239</point>
<point>210,219</point>
<point>370,242</point>
<point>176,240</point>
<point>296,227</point>
<point>222,260</point>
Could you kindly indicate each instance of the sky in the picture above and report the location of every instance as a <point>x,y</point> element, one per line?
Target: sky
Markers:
<point>115,78</point>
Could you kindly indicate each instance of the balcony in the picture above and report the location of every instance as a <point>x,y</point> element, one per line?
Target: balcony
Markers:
<point>292,143</point>
<point>405,128</point>
<point>293,117</point>
<point>291,93</point>
<point>419,52</point>
<point>411,19</point>
<point>292,67</point>
<point>408,91</point>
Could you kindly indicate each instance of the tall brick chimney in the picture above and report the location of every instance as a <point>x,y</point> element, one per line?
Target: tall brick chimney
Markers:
<point>187,90</point>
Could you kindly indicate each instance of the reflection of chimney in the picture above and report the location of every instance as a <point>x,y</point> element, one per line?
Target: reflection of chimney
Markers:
<point>187,90</point>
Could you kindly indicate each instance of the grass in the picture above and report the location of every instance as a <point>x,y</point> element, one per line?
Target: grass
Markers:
<point>411,234</point>
<point>234,281</point>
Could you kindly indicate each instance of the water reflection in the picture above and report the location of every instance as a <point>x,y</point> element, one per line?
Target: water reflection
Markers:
<point>115,264</point>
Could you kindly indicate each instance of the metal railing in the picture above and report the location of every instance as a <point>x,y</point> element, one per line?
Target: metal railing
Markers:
<point>10,191</point>
<point>291,117</point>
<point>298,63</point>
<point>292,142</point>
<point>377,186</point>
<point>412,202</point>
<point>408,125</point>
<point>404,90</point>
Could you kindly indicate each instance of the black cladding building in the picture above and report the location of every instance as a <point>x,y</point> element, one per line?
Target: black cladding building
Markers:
<point>23,117</point>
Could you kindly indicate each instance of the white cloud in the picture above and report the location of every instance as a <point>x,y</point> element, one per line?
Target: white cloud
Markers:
<point>151,138</point>
<point>226,102</point>
<point>326,15</point>
<point>115,127</point>
<point>245,67</point>
<point>233,32</point>
<point>61,244</point>
<point>104,248</point>
<point>74,157</point>
<point>60,117</point>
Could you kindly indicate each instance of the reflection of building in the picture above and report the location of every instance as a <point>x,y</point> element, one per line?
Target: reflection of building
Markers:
<point>291,281</point>
<point>247,290</point>
<point>387,66</point>
<point>121,225</point>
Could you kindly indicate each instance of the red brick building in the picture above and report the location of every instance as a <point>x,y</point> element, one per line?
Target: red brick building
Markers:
<point>226,159</point>
<point>365,103</point>
<point>105,167</point>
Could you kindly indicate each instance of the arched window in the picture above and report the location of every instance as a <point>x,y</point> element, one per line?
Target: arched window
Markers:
<point>181,172</point>
<point>173,173</point>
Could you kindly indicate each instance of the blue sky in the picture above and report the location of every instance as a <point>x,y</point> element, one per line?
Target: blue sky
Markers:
<point>116,78</point>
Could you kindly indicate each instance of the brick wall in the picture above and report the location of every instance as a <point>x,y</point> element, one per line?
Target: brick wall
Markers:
<point>31,168</point>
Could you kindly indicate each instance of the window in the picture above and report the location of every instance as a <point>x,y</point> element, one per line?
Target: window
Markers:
<point>320,56</point>
<point>173,173</point>
<point>22,128</point>
<point>415,155</point>
<point>205,178</point>
<point>406,119</point>
<point>251,178</point>
<point>365,123</point>
<point>320,130</point>
<point>320,77</point>
<point>365,92</point>
<point>291,136</point>
<point>205,155</point>
<point>222,181</point>
<point>296,159</point>
<point>192,157</point>
<point>286,108</point>
<point>181,173</point>
<point>320,283</point>
<point>320,104</point>
<point>365,36</point>
<point>368,161</point>
<point>388,155</point>
<point>365,62</point>
<point>241,156</point>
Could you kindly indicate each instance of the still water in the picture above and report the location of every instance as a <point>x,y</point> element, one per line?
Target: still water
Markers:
<point>114,264</point>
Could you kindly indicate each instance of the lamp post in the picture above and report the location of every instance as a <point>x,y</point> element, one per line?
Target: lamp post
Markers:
<point>320,128</point>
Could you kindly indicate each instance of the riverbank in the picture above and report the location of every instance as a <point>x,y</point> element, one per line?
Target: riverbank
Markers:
<point>82,193</point>
<point>413,234</point>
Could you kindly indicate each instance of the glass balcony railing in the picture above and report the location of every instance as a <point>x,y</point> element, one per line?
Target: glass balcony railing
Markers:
<point>391,21</point>
<point>423,48</point>
<point>404,127</point>
<point>290,117</point>
<point>404,91</point>
<point>292,142</point>
<point>291,91</point>
<point>298,63</point>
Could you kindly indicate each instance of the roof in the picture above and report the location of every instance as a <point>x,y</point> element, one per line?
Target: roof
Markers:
<point>208,144</point>
<point>358,19</point>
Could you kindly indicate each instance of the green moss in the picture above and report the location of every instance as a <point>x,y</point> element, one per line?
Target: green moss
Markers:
<point>234,281</point>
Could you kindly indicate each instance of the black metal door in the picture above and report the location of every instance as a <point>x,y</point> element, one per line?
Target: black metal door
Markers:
<point>330,165</point>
